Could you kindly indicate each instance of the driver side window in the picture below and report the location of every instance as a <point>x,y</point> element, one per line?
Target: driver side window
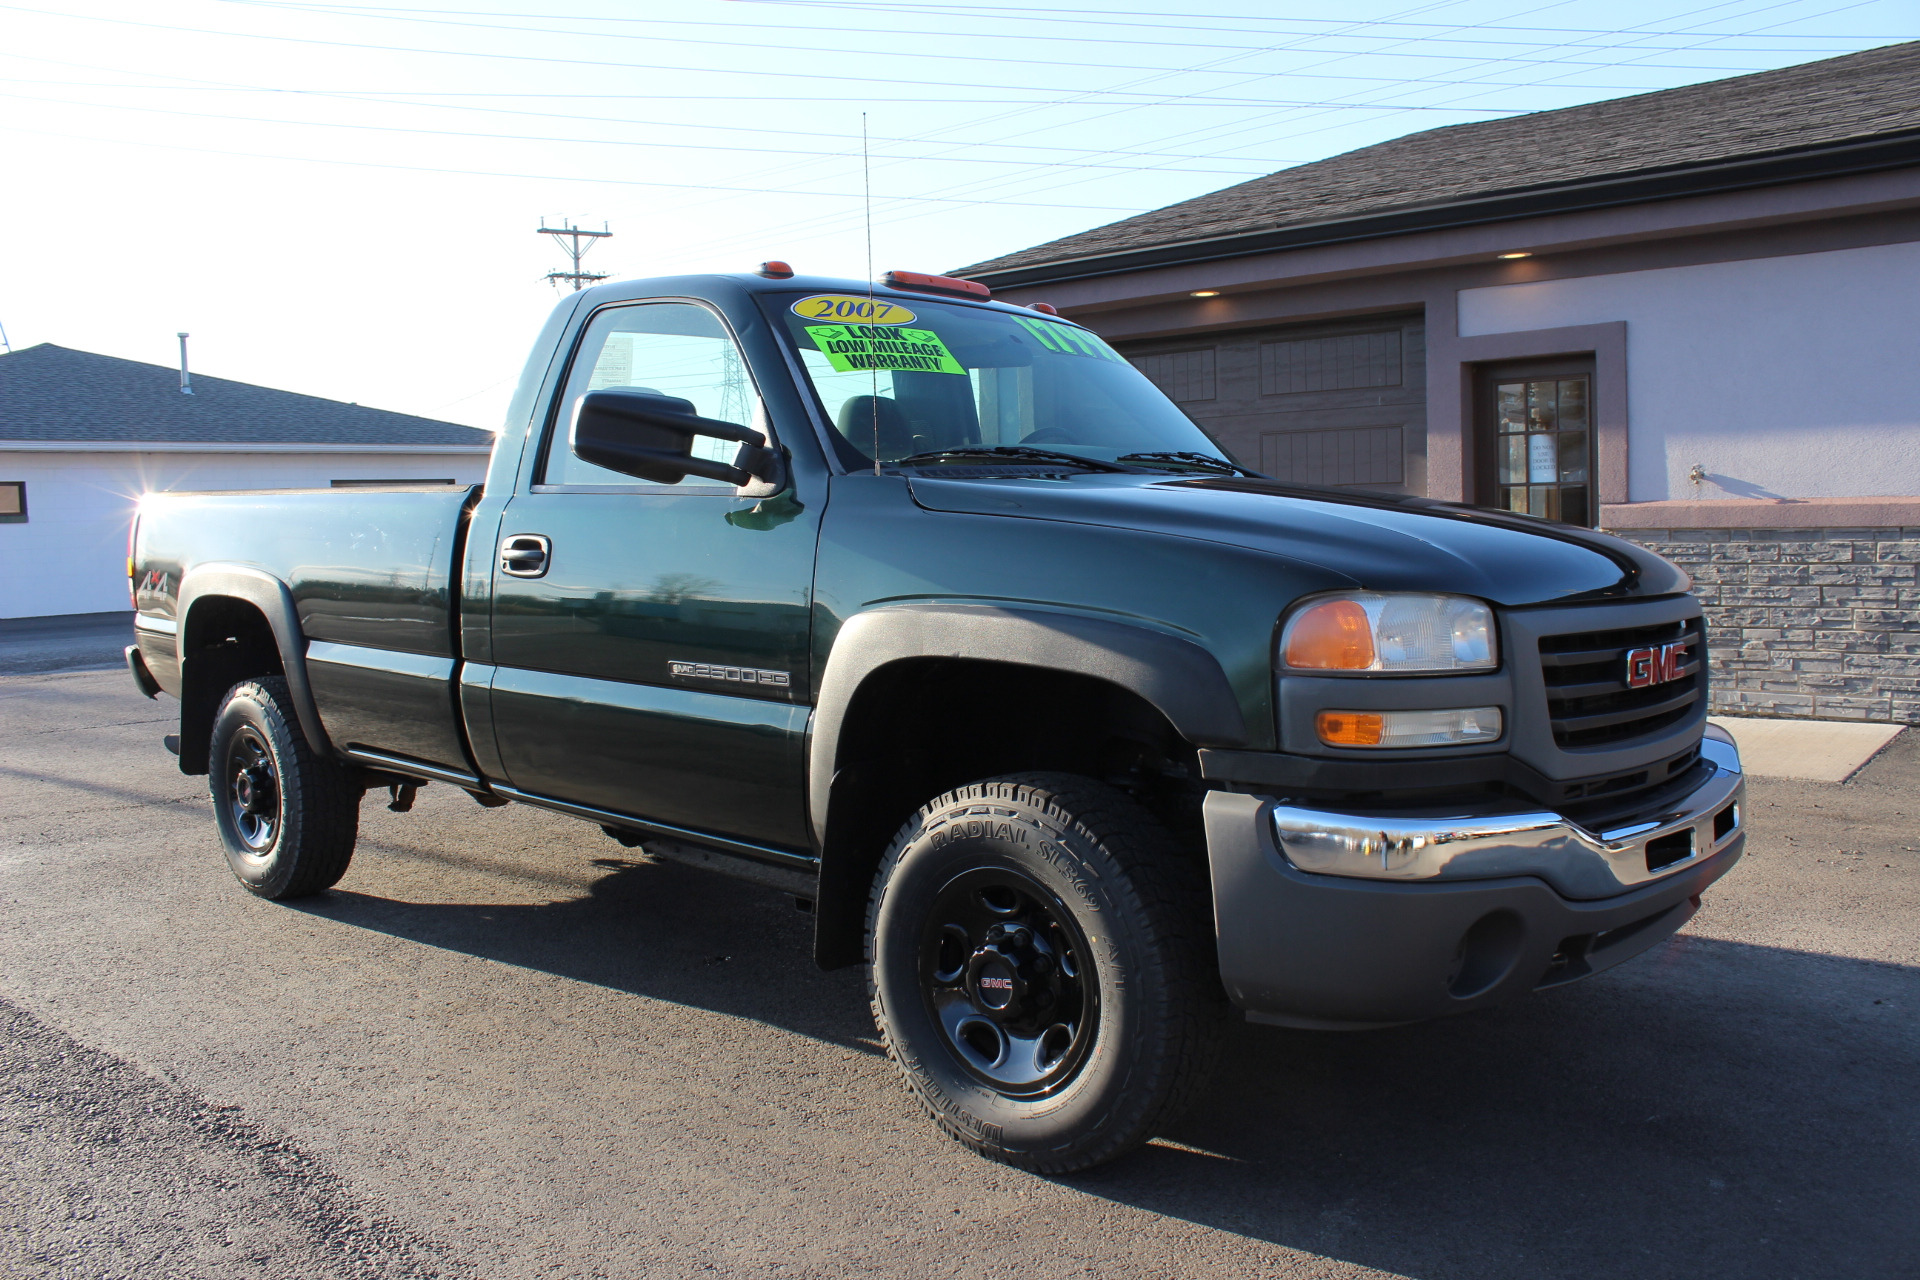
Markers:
<point>668,348</point>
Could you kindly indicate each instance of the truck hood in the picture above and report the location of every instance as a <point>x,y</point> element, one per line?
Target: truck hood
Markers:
<point>1376,541</point>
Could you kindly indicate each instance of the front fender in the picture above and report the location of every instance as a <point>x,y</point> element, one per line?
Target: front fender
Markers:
<point>1177,676</point>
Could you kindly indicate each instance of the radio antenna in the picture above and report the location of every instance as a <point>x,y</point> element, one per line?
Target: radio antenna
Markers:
<point>866,194</point>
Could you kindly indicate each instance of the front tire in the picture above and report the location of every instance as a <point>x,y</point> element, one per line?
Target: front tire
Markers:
<point>288,817</point>
<point>1042,969</point>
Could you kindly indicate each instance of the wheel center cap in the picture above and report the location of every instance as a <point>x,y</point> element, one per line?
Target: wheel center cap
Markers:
<point>253,788</point>
<point>995,983</point>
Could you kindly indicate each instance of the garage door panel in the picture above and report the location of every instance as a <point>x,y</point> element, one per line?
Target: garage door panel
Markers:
<point>1337,403</point>
<point>1347,456</point>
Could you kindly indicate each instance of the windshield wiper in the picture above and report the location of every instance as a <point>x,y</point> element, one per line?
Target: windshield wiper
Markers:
<point>1013,453</point>
<point>1204,460</point>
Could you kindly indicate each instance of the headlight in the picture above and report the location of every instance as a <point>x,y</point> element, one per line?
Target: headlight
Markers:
<point>1397,632</point>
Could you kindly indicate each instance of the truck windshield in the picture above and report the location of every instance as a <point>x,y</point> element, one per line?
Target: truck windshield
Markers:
<point>904,381</point>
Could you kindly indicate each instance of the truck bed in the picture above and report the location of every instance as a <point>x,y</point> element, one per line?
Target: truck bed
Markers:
<point>370,581</point>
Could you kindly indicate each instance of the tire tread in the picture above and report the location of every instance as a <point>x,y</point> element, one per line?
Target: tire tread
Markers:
<point>327,792</point>
<point>1172,894</point>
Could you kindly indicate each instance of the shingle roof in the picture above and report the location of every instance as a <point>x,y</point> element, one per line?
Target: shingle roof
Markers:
<point>57,394</point>
<point>1834,100</point>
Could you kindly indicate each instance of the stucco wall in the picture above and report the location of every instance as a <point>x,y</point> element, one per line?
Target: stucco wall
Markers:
<point>1793,376</point>
<point>70,555</point>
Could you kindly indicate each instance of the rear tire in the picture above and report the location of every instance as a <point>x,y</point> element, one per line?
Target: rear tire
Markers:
<point>288,817</point>
<point>1042,969</point>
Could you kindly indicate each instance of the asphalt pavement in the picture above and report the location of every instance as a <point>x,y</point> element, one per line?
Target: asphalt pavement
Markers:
<point>64,642</point>
<point>506,1047</point>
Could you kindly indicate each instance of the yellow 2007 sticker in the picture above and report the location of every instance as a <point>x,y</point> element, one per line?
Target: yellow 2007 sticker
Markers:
<point>866,346</point>
<point>852,308</point>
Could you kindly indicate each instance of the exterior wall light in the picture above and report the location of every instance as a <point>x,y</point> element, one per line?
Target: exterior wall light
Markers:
<point>1515,255</point>
<point>1204,293</point>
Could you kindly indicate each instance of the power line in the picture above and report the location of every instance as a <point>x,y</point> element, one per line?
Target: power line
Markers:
<point>216,86</point>
<point>550,115</point>
<point>1027,14</point>
<point>598,142</point>
<point>998,59</point>
<point>541,177</point>
<point>829,220</point>
<point>812,77</point>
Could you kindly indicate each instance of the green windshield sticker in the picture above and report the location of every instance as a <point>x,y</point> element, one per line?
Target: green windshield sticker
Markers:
<point>1074,342</point>
<point>871,346</point>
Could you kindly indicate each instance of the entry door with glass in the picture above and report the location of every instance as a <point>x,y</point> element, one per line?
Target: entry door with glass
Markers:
<point>1536,435</point>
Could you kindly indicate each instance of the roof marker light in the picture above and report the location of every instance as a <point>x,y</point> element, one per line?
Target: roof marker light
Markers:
<point>1515,254</point>
<point>920,282</point>
<point>1044,308</point>
<point>775,270</point>
<point>1204,293</point>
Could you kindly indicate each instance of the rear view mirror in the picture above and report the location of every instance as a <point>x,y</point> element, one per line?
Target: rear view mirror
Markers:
<point>651,437</point>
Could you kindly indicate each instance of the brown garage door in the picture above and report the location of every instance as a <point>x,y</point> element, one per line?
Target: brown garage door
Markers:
<point>1333,404</point>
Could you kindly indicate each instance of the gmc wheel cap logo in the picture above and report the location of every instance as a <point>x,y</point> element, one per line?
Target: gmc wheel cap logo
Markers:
<point>1655,665</point>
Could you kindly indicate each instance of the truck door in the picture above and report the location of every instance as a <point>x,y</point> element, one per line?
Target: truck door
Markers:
<point>650,640</point>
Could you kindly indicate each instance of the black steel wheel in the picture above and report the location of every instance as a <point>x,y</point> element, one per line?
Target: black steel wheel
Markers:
<point>1005,969</point>
<point>287,816</point>
<point>253,791</point>
<point>1042,970</point>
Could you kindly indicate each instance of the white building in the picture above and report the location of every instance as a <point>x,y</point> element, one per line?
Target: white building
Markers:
<point>83,435</point>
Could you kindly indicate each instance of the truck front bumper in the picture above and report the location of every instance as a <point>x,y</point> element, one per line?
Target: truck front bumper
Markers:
<point>1352,920</point>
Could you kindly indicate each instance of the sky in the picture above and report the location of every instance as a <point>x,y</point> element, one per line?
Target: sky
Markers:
<point>343,199</point>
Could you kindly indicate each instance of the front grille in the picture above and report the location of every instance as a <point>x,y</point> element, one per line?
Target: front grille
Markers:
<point>1588,699</point>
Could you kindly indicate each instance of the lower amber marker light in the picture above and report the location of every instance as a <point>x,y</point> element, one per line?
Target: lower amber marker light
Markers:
<point>1451,727</point>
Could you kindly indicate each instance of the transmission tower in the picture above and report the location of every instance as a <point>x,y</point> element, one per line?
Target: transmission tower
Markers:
<point>574,243</point>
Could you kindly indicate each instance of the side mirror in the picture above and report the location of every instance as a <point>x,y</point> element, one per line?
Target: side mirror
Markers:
<point>651,437</point>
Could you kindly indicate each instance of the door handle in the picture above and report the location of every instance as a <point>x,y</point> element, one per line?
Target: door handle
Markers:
<point>525,555</point>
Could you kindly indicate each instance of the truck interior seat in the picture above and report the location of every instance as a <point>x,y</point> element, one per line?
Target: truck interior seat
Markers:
<point>861,416</point>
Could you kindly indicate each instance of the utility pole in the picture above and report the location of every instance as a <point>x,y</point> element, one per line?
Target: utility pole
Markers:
<point>574,243</point>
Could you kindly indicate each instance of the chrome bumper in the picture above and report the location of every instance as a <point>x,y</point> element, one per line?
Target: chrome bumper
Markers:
<point>1578,862</point>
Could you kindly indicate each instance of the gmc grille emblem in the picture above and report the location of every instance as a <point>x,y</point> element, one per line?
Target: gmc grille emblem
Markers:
<point>1655,665</point>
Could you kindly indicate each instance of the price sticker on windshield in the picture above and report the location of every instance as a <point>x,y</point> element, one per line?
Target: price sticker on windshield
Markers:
<point>851,308</point>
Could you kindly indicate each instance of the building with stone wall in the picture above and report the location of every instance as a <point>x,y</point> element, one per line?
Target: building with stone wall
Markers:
<point>1690,317</point>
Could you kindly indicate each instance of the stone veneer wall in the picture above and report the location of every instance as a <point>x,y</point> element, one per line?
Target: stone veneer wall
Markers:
<point>1811,623</point>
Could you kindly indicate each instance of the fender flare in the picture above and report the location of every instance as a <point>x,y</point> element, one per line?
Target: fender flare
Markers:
<point>274,600</point>
<point>1178,677</point>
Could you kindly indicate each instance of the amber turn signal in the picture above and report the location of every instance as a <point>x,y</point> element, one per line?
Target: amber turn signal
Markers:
<point>1452,726</point>
<point>1333,636</point>
<point>1349,728</point>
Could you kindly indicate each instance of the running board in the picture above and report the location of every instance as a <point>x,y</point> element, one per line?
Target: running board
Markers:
<point>664,835</point>
<point>412,768</point>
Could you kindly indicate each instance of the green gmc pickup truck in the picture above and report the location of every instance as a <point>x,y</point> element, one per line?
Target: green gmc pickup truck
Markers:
<point>933,612</point>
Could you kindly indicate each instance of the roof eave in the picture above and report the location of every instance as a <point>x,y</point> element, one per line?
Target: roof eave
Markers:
<point>1827,160</point>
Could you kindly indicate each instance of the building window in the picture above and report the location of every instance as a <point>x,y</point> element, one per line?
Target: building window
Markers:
<point>1538,446</point>
<point>13,501</point>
